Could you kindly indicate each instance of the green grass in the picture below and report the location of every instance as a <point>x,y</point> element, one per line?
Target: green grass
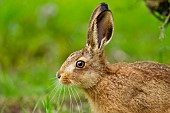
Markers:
<point>37,36</point>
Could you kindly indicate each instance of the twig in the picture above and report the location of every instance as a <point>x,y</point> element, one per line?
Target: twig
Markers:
<point>162,34</point>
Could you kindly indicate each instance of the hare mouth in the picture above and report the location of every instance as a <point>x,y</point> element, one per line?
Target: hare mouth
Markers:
<point>65,81</point>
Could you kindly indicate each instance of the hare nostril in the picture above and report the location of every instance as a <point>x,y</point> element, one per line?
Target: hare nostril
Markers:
<point>58,76</point>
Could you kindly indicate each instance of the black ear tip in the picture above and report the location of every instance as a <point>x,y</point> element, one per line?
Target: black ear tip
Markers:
<point>104,5</point>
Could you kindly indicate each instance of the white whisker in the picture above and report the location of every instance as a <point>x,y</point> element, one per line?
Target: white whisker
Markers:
<point>60,90</point>
<point>52,92</point>
<point>75,99</point>
<point>58,98</point>
<point>62,101</point>
<point>54,83</point>
<point>71,104</point>
<point>55,88</point>
<point>81,106</point>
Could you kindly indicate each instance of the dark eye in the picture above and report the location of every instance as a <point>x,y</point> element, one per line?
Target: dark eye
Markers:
<point>80,64</point>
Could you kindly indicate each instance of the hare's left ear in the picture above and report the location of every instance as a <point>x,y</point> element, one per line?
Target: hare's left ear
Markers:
<point>100,28</point>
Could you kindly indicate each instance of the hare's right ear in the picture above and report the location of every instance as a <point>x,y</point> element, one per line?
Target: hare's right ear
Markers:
<point>100,28</point>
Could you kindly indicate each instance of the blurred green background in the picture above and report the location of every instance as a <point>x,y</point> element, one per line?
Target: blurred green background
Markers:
<point>36,36</point>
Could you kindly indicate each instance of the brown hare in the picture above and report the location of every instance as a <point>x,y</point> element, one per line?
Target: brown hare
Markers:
<point>140,87</point>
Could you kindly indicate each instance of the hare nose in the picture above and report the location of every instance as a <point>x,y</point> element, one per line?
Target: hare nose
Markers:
<point>58,75</point>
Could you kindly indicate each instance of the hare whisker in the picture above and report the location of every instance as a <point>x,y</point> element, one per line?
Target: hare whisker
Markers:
<point>52,91</point>
<point>75,99</point>
<point>59,90</point>
<point>81,106</point>
<point>55,90</point>
<point>70,100</point>
<point>61,101</point>
<point>54,83</point>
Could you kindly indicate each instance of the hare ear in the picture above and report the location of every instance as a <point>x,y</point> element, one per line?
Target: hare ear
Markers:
<point>100,28</point>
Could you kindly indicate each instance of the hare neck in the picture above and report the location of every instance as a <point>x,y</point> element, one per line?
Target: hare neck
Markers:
<point>98,97</point>
<point>94,96</point>
<point>101,96</point>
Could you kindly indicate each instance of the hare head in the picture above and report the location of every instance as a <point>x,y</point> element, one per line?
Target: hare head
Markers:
<point>83,68</point>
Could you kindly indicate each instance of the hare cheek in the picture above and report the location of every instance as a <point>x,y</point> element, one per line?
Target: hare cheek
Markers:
<point>90,79</point>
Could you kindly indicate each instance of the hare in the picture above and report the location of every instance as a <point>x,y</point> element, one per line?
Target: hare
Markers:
<point>140,87</point>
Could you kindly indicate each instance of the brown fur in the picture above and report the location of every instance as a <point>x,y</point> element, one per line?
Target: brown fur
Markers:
<point>131,88</point>
<point>140,87</point>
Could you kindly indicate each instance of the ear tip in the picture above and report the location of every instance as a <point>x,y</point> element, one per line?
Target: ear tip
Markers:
<point>104,6</point>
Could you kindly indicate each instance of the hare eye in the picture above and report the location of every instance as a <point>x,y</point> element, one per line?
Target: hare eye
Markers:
<point>80,64</point>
